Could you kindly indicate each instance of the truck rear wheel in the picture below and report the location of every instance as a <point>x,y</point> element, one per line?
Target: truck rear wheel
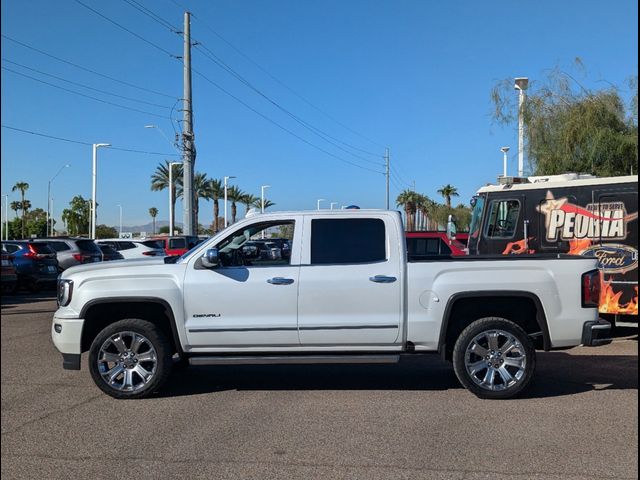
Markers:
<point>130,359</point>
<point>494,358</point>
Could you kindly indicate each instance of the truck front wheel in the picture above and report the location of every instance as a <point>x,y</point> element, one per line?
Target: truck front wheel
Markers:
<point>494,358</point>
<point>130,359</point>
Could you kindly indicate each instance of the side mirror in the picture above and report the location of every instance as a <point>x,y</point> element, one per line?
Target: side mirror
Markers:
<point>210,258</point>
<point>451,228</point>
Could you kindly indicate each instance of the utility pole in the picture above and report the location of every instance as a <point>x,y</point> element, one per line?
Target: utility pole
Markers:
<point>188,147</point>
<point>387,171</point>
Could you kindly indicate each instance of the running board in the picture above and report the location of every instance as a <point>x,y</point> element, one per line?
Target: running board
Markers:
<point>293,359</point>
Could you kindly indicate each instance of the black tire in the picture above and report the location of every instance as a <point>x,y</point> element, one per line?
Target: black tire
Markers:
<point>156,341</point>
<point>470,341</point>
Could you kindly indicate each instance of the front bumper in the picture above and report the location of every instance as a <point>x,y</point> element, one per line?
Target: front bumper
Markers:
<point>66,334</point>
<point>596,333</point>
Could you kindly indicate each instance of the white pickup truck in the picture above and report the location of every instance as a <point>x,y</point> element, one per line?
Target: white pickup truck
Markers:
<point>344,292</point>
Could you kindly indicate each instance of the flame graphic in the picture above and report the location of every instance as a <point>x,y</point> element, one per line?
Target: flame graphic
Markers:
<point>517,248</point>
<point>610,301</point>
<point>577,245</point>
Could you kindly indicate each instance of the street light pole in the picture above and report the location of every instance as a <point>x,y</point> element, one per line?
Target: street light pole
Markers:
<point>6,217</point>
<point>49,209</point>
<point>120,231</point>
<point>318,203</point>
<point>94,181</point>
<point>521,84</point>
<point>226,179</point>
<point>332,204</point>
<point>504,150</point>
<point>262,197</point>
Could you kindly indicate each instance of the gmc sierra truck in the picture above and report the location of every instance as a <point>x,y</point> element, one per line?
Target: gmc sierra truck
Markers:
<point>346,293</point>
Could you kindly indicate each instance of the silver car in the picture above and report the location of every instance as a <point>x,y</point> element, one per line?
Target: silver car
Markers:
<point>73,251</point>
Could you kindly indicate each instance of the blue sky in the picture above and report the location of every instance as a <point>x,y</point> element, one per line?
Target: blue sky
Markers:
<point>411,75</point>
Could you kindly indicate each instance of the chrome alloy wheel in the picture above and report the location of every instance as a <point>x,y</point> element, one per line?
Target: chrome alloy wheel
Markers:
<point>495,360</point>
<point>127,361</point>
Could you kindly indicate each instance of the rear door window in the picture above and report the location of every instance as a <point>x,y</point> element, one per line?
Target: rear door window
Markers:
<point>347,240</point>
<point>41,247</point>
<point>88,246</point>
<point>177,243</point>
<point>59,246</point>
<point>158,244</point>
<point>125,245</point>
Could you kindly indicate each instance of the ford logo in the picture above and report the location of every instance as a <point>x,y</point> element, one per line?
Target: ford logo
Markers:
<point>613,258</point>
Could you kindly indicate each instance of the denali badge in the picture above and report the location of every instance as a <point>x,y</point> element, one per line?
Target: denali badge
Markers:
<point>207,315</point>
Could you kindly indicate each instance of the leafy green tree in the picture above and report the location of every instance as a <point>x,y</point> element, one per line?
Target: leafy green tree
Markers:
<point>22,187</point>
<point>36,222</point>
<point>153,212</point>
<point>160,181</point>
<point>571,128</point>
<point>104,231</point>
<point>76,217</point>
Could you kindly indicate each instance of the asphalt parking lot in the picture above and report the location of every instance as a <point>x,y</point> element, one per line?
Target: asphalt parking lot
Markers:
<point>412,420</point>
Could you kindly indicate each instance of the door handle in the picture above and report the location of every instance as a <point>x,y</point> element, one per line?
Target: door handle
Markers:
<point>382,279</point>
<point>280,281</point>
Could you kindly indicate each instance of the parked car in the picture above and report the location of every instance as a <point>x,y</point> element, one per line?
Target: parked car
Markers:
<point>177,245</point>
<point>134,248</point>
<point>35,263</point>
<point>262,250</point>
<point>109,253</point>
<point>9,275</point>
<point>73,251</point>
<point>432,244</point>
<point>285,246</point>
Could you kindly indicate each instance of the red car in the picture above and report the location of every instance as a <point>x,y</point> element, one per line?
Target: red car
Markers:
<point>433,244</point>
<point>177,245</point>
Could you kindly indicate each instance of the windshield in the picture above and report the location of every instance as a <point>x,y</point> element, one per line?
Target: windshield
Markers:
<point>476,219</point>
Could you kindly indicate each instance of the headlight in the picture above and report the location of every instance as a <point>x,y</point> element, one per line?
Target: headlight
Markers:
<point>65,290</point>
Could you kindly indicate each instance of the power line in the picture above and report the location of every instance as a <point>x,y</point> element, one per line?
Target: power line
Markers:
<point>283,127</point>
<point>85,86</point>
<point>122,149</point>
<point>316,131</point>
<point>157,18</point>
<point>140,37</point>
<point>83,94</point>
<point>87,69</point>
<point>398,177</point>
<point>281,83</point>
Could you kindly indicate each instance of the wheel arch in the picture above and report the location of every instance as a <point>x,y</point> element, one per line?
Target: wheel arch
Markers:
<point>127,307</point>
<point>504,300</point>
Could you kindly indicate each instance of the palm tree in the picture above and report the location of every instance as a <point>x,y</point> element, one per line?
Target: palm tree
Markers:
<point>447,192</point>
<point>409,200</point>
<point>201,189</point>
<point>235,195</point>
<point>153,211</point>
<point>258,203</point>
<point>216,191</point>
<point>428,208</point>
<point>23,187</point>
<point>249,200</point>
<point>160,181</point>
<point>15,206</point>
